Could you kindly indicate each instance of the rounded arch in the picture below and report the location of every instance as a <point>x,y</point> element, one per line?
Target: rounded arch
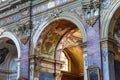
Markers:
<point>11,36</point>
<point>107,19</point>
<point>66,16</point>
<point>14,39</point>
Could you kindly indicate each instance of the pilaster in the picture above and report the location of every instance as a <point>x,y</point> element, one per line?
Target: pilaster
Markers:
<point>84,49</point>
<point>108,57</point>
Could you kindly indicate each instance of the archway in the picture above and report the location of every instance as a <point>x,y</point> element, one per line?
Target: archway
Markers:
<point>8,64</point>
<point>114,35</point>
<point>8,38</point>
<point>61,37</point>
<point>108,42</point>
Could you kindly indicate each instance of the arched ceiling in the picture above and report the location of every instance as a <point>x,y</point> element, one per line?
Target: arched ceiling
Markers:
<point>60,35</point>
<point>8,53</point>
<point>114,22</point>
<point>114,32</point>
<point>52,35</point>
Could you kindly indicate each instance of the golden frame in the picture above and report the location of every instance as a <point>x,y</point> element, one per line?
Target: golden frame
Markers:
<point>93,73</point>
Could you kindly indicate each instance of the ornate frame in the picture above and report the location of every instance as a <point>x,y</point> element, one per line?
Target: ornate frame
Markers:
<point>93,73</point>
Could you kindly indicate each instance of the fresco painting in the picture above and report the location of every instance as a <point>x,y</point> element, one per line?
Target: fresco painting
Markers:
<point>51,35</point>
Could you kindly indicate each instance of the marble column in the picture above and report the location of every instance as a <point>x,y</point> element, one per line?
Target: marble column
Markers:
<point>32,70</point>
<point>83,45</point>
<point>107,61</point>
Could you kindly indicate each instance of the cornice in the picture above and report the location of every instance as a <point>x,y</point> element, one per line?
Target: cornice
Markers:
<point>23,12</point>
<point>16,9</point>
<point>11,4</point>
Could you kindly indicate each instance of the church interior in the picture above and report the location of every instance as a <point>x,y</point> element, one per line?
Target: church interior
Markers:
<point>59,39</point>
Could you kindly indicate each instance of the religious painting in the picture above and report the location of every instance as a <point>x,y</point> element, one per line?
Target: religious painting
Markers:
<point>46,76</point>
<point>93,73</point>
<point>51,35</point>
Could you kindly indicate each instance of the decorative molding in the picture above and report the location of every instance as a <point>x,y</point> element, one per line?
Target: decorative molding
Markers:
<point>13,18</point>
<point>91,11</point>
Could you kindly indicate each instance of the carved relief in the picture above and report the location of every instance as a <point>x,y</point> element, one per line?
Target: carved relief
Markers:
<point>25,40</point>
<point>23,30</point>
<point>91,12</point>
<point>78,11</point>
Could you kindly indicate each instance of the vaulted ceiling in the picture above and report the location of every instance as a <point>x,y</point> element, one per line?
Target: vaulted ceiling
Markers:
<point>60,35</point>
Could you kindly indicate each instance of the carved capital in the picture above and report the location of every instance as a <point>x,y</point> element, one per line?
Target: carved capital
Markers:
<point>91,10</point>
<point>23,29</point>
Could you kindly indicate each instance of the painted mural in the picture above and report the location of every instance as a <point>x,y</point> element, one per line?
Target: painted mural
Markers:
<point>52,34</point>
<point>24,67</point>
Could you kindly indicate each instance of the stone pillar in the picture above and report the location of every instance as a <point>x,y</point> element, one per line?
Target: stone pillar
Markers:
<point>83,45</point>
<point>32,70</point>
<point>107,61</point>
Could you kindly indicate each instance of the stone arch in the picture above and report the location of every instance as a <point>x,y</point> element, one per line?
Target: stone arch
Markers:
<point>108,16</point>
<point>11,36</point>
<point>66,16</point>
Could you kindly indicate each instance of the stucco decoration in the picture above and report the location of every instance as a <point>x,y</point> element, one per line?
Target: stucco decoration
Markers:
<point>117,31</point>
<point>106,3</point>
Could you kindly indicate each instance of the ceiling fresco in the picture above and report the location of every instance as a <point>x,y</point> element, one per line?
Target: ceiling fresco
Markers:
<point>62,35</point>
<point>52,34</point>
